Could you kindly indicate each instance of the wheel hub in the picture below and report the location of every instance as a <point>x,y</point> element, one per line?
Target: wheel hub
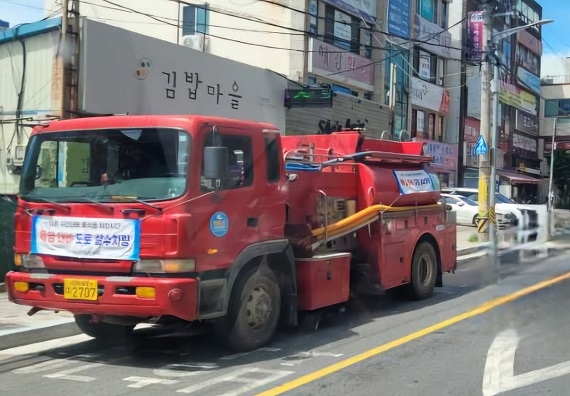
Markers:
<point>425,270</point>
<point>258,308</point>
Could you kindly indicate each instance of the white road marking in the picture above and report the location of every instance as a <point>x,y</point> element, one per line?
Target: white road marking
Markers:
<point>499,368</point>
<point>184,369</point>
<point>141,382</point>
<point>239,355</point>
<point>44,346</point>
<point>240,376</point>
<point>66,374</point>
<point>43,366</point>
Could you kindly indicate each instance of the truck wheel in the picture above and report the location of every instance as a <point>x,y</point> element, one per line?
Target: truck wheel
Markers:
<point>424,272</point>
<point>253,312</point>
<point>102,330</point>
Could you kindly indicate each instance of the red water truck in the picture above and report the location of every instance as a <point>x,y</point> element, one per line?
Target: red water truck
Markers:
<point>124,220</point>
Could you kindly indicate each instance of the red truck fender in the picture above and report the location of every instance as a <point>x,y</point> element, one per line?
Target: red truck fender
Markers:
<point>275,256</point>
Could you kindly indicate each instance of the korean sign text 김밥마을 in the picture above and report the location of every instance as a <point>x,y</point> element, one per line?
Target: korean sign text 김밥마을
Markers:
<point>192,87</point>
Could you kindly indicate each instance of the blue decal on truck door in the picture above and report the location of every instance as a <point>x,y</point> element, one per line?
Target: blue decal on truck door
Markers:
<point>219,224</point>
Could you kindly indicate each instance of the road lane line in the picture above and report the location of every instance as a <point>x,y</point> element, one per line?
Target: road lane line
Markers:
<point>481,309</point>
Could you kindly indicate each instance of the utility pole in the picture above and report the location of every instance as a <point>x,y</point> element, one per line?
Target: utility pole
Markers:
<point>69,59</point>
<point>485,183</point>
<point>550,202</point>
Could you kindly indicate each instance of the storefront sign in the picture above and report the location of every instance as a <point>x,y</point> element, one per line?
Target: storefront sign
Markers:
<point>365,9</point>
<point>399,18</point>
<point>432,34</point>
<point>528,80</point>
<point>525,146</point>
<point>429,96</point>
<point>444,155</point>
<point>526,123</point>
<point>517,98</point>
<point>342,66</point>
<point>530,42</point>
<point>475,47</point>
<point>471,130</point>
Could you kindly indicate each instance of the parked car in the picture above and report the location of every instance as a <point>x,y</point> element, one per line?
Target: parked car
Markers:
<point>501,202</point>
<point>467,211</point>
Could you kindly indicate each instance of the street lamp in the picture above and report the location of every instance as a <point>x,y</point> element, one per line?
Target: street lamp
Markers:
<point>495,127</point>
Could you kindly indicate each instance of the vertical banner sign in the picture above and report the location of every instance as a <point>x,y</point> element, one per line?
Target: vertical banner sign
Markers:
<point>95,238</point>
<point>475,46</point>
<point>399,18</point>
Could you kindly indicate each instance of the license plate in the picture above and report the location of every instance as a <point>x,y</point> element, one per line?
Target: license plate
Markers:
<point>80,289</point>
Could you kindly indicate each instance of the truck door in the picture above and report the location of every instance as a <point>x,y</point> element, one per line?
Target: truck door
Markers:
<point>227,216</point>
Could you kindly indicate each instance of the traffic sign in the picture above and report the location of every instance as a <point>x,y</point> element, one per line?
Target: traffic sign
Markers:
<point>481,147</point>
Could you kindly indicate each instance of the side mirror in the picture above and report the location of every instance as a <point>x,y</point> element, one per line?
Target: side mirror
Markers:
<point>460,203</point>
<point>216,161</point>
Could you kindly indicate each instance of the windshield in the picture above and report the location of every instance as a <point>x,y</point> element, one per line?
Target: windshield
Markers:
<point>468,201</point>
<point>499,198</point>
<point>146,164</point>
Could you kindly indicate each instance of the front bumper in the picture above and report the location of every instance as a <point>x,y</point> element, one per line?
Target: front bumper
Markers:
<point>173,296</point>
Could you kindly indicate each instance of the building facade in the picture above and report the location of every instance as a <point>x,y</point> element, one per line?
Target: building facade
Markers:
<point>518,163</point>
<point>555,104</point>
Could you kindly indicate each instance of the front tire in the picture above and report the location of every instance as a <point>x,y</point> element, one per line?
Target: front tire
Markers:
<point>424,272</point>
<point>102,330</point>
<point>253,311</point>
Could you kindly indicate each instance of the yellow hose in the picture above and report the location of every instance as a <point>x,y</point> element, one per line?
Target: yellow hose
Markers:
<point>362,217</point>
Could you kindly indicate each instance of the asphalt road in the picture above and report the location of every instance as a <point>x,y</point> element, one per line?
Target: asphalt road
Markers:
<point>525,337</point>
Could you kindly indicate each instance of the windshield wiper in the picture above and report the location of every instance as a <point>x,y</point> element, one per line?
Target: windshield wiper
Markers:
<point>57,204</point>
<point>132,199</point>
<point>108,208</point>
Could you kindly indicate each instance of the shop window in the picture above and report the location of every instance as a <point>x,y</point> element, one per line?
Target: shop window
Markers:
<point>313,17</point>
<point>426,66</point>
<point>427,9</point>
<point>528,59</point>
<point>342,30</point>
<point>195,19</point>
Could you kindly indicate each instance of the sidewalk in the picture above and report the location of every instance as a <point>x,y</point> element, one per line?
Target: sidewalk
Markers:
<point>17,328</point>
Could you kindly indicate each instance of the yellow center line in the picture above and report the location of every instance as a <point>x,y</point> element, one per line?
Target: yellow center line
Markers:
<point>481,309</point>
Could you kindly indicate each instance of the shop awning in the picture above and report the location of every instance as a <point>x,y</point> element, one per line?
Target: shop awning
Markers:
<point>515,177</point>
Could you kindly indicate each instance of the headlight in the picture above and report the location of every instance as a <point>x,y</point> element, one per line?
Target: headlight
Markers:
<point>29,261</point>
<point>173,266</point>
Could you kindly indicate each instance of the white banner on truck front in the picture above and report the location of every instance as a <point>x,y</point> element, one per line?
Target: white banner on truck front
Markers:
<point>94,238</point>
<point>414,181</point>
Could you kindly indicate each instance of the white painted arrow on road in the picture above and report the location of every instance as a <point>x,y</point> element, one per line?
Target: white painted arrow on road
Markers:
<point>499,373</point>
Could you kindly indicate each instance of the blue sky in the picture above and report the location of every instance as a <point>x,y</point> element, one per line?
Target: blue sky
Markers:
<point>556,40</point>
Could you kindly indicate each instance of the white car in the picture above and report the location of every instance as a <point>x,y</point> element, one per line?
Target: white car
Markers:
<point>501,203</point>
<point>467,211</point>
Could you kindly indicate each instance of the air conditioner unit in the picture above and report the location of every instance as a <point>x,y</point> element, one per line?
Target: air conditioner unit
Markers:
<point>19,153</point>
<point>194,41</point>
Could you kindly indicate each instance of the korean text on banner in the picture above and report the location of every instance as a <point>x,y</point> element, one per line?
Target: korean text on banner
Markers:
<point>414,181</point>
<point>95,238</point>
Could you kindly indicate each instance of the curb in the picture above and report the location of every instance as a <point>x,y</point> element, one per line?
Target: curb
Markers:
<point>41,334</point>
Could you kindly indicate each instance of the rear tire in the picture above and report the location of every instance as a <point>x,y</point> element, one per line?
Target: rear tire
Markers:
<point>102,331</point>
<point>253,311</point>
<point>475,220</point>
<point>424,272</point>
